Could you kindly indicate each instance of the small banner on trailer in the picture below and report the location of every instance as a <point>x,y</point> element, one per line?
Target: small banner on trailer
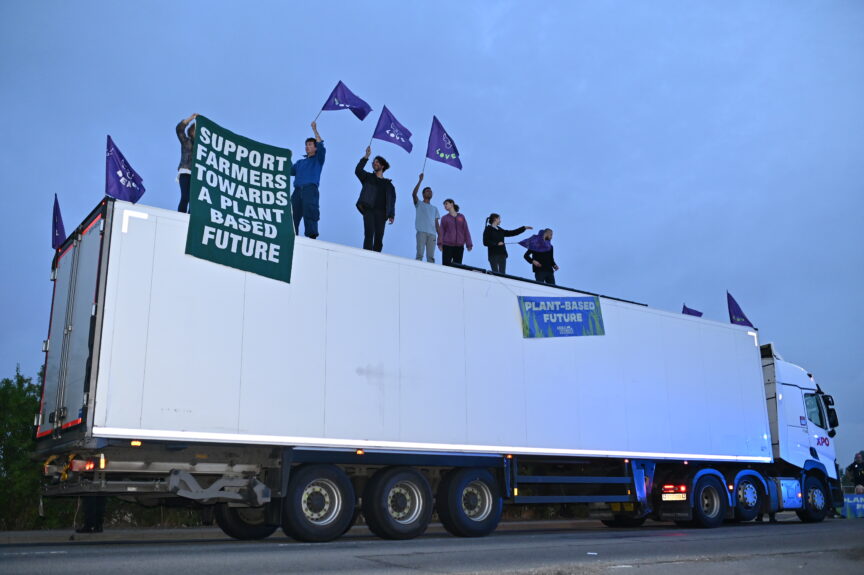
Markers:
<point>560,316</point>
<point>239,203</point>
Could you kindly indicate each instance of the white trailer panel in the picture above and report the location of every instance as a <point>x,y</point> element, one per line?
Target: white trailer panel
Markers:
<point>370,350</point>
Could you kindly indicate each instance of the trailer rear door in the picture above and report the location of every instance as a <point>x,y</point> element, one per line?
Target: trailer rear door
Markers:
<point>70,334</point>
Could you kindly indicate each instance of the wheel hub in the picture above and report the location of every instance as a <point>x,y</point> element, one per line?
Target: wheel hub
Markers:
<point>404,502</point>
<point>477,501</point>
<point>816,499</point>
<point>710,502</point>
<point>748,496</point>
<point>320,502</point>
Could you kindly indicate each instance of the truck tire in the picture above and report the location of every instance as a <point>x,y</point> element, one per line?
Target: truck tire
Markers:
<point>319,504</point>
<point>623,521</point>
<point>709,502</point>
<point>469,502</point>
<point>397,503</point>
<point>243,523</point>
<point>815,501</point>
<point>749,498</point>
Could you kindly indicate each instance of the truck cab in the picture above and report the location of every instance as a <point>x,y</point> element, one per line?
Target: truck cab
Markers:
<point>802,417</point>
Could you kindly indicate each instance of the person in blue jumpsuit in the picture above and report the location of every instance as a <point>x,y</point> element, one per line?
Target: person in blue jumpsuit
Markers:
<point>307,176</point>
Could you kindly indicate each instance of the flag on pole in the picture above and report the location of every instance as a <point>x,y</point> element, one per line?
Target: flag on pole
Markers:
<point>390,130</point>
<point>344,99</point>
<point>58,232</point>
<point>441,146</point>
<point>687,311</point>
<point>121,181</point>
<point>736,315</point>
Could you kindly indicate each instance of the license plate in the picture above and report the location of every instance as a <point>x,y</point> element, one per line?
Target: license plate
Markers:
<point>674,497</point>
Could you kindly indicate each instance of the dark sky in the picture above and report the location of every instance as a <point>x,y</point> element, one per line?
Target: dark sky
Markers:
<point>678,149</point>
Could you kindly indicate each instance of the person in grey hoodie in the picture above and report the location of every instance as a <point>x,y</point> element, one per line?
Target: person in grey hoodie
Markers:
<point>184,170</point>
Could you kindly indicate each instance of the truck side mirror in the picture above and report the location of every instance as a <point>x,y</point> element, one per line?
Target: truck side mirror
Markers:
<point>832,418</point>
<point>832,432</point>
<point>829,400</point>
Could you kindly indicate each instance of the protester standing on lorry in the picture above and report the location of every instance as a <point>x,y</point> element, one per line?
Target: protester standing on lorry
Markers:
<point>377,201</point>
<point>184,170</point>
<point>453,236</point>
<point>305,200</point>
<point>493,239</point>
<point>855,473</point>
<point>426,222</point>
<point>541,256</point>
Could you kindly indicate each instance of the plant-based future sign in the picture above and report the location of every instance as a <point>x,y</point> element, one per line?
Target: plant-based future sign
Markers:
<point>561,316</point>
<point>240,208</point>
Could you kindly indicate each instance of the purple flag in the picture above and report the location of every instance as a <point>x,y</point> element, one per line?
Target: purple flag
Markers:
<point>121,181</point>
<point>58,232</point>
<point>687,311</point>
<point>390,130</point>
<point>441,146</point>
<point>736,316</point>
<point>344,99</point>
<point>537,243</point>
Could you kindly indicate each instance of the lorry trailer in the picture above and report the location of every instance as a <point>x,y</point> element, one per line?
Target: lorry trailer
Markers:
<point>378,385</point>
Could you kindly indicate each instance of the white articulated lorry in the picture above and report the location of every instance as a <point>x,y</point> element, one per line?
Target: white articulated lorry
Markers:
<point>394,387</point>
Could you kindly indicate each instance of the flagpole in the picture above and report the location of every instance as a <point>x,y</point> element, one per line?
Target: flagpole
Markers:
<point>423,171</point>
<point>316,117</point>
<point>370,141</point>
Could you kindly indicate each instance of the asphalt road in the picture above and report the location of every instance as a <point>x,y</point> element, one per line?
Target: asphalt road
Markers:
<point>834,546</point>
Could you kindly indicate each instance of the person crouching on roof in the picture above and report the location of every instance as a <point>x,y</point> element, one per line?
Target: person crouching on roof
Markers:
<point>541,256</point>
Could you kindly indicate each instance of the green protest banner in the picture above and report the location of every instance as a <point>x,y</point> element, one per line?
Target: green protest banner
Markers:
<point>239,203</point>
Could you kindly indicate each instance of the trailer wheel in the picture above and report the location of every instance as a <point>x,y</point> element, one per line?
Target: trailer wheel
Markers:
<point>319,504</point>
<point>815,501</point>
<point>709,502</point>
<point>748,498</point>
<point>624,521</point>
<point>243,523</point>
<point>397,503</point>
<point>469,502</point>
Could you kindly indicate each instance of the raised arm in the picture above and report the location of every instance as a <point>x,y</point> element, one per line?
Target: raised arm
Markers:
<point>359,171</point>
<point>181,127</point>
<point>516,232</point>
<point>416,188</point>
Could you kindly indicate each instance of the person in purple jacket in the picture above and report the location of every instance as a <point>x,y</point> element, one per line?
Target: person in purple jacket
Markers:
<point>453,235</point>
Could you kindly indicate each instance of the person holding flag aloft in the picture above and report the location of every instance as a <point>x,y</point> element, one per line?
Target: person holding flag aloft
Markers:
<point>493,239</point>
<point>307,176</point>
<point>426,222</point>
<point>377,201</point>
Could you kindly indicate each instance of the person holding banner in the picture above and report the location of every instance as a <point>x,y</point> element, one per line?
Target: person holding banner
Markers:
<point>454,235</point>
<point>377,201</point>
<point>307,176</point>
<point>426,222</point>
<point>184,170</point>
<point>493,239</point>
<point>541,256</point>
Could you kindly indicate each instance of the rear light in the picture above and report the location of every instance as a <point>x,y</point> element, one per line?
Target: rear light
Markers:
<point>673,492</point>
<point>90,464</point>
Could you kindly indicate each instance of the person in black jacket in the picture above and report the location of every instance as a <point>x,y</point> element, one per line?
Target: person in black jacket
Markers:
<point>541,256</point>
<point>493,239</point>
<point>377,201</point>
<point>855,472</point>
